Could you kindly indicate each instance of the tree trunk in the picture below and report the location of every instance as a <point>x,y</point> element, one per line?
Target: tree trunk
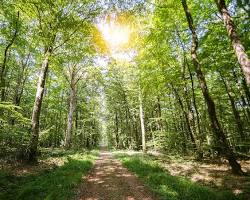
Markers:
<point>3,67</point>
<point>142,123</point>
<point>180,128</point>
<point>38,105</point>
<point>129,125</point>
<point>235,111</point>
<point>159,120</point>
<point>244,103</point>
<point>194,103</point>
<point>76,117</point>
<point>185,62</point>
<point>21,80</point>
<point>216,127</point>
<point>246,90</point>
<point>236,42</point>
<point>185,114</point>
<point>116,130</point>
<point>72,107</point>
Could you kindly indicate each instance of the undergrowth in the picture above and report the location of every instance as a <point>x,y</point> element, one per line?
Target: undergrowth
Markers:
<point>167,186</point>
<point>56,183</point>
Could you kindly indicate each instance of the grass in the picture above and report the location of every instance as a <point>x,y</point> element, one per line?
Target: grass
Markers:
<point>167,186</point>
<point>56,183</point>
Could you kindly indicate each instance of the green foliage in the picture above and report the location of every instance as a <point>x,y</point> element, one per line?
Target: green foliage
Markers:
<point>11,111</point>
<point>13,130</point>
<point>170,142</point>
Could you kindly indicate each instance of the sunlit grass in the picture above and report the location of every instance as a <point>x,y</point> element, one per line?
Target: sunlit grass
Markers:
<point>168,186</point>
<point>58,183</point>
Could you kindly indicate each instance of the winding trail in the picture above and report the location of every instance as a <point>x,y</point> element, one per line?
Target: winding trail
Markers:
<point>109,180</point>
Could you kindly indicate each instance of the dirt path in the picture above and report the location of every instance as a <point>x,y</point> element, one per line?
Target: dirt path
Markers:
<point>110,181</point>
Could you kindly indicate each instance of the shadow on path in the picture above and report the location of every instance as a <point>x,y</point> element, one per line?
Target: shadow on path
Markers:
<point>110,181</point>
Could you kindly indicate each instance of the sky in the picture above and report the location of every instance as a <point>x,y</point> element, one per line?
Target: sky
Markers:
<point>116,36</point>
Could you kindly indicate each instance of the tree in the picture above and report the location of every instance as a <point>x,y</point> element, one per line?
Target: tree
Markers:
<point>16,27</point>
<point>143,134</point>
<point>238,47</point>
<point>55,27</point>
<point>225,148</point>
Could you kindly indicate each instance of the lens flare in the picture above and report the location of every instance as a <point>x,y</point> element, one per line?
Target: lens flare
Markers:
<point>115,35</point>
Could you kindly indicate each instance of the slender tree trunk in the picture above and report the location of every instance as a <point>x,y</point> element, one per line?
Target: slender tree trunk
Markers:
<point>239,49</point>
<point>3,67</point>
<point>37,106</point>
<point>235,111</point>
<point>21,80</point>
<point>198,126</point>
<point>180,128</point>
<point>194,102</point>
<point>76,117</point>
<point>185,62</point>
<point>246,90</point>
<point>72,107</point>
<point>136,132</point>
<point>143,135</point>
<point>17,96</point>
<point>129,127</point>
<point>116,130</point>
<point>216,127</point>
<point>20,87</point>
<point>185,114</point>
<point>244,103</point>
<point>120,120</point>
<point>159,121</point>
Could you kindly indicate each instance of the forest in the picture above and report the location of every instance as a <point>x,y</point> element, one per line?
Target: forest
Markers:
<point>155,90</point>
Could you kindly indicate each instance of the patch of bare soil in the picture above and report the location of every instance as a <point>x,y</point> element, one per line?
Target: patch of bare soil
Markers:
<point>109,180</point>
<point>210,173</point>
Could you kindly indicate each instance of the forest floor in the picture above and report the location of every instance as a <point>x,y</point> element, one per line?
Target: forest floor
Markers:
<point>109,180</point>
<point>214,174</point>
<point>120,175</point>
<point>56,176</point>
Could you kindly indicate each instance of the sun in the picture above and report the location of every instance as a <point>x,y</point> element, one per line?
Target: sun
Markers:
<point>116,35</point>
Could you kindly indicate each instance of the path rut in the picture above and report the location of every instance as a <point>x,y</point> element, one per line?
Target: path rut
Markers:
<point>109,180</point>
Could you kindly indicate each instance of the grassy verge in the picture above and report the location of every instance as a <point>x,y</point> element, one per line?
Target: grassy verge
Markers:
<point>168,186</point>
<point>58,182</point>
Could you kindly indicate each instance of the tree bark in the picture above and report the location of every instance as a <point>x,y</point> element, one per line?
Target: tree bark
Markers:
<point>72,107</point>
<point>194,103</point>
<point>159,120</point>
<point>116,130</point>
<point>216,127</point>
<point>246,90</point>
<point>21,80</point>
<point>142,123</point>
<point>244,103</point>
<point>239,49</point>
<point>38,105</point>
<point>235,111</point>
<point>185,63</point>
<point>185,114</point>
